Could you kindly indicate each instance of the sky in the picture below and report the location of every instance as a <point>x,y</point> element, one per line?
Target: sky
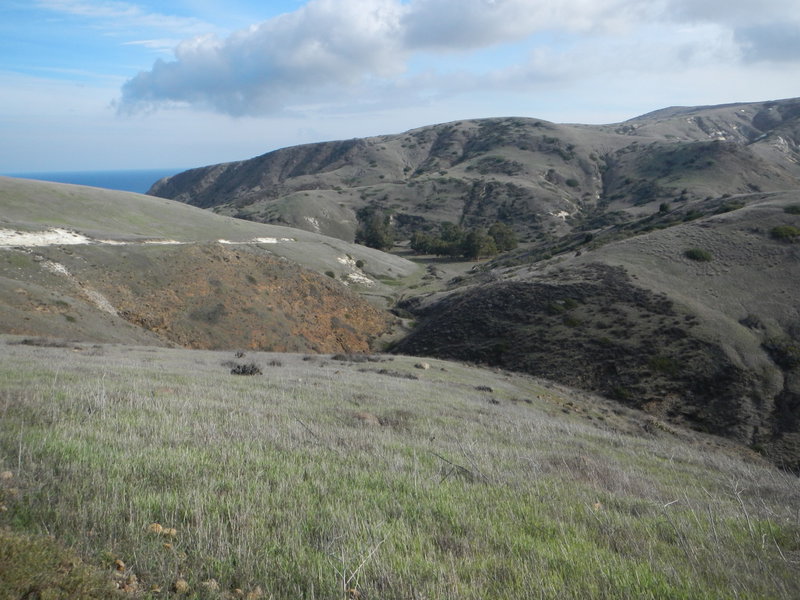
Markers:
<point>139,84</point>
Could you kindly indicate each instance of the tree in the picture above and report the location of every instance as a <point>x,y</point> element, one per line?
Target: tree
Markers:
<point>423,243</point>
<point>504,237</point>
<point>375,228</point>
<point>451,233</point>
<point>477,244</point>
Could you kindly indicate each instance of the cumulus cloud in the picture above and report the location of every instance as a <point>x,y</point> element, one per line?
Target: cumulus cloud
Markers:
<point>327,48</point>
<point>291,57</point>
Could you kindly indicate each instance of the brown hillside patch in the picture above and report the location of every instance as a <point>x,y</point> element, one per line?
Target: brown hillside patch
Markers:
<point>218,297</point>
<point>214,296</point>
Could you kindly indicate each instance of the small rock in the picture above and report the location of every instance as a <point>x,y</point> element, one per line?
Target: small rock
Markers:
<point>422,365</point>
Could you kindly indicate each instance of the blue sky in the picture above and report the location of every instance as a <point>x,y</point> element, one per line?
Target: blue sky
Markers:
<point>112,84</point>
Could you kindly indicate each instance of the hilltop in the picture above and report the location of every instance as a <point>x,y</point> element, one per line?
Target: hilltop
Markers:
<point>543,179</point>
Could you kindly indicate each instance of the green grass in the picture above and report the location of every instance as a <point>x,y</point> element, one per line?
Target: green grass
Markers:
<point>278,482</point>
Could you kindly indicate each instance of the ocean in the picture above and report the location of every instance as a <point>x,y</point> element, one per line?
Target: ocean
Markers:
<point>138,180</point>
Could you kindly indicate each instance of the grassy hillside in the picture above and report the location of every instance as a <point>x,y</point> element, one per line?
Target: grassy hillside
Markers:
<point>337,477</point>
<point>93,264</point>
<point>543,179</point>
<point>696,322</point>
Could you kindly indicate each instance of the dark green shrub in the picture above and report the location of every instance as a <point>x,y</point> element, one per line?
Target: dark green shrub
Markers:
<point>249,369</point>
<point>785,233</point>
<point>698,255</point>
<point>793,209</point>
<point>330,274</point>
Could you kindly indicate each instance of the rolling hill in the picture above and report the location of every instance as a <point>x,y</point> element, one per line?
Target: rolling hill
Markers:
<point>91,264</point>
<point>610,410</point>
<point>657,263</point>
<point>543,179</point>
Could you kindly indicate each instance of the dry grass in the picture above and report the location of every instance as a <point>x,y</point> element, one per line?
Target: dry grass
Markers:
<point>162,469</point>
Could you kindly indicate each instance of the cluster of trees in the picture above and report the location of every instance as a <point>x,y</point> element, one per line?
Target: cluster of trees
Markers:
<point>453,240</point>
<point>375,230</point>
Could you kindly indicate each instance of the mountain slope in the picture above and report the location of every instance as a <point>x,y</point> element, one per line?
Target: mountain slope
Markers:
<point>602,293</point>
<point>92,264</point>
<point>541,178</point>
<point>697,323</point>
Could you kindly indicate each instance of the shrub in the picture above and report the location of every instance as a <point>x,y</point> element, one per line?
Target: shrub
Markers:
<point>793,209</point>
<point>698,255</point>
<point>248,369</point>
<point>785,233</point>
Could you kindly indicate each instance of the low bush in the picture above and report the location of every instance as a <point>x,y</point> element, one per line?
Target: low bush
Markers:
<point>248,369</point>
<point>785,233</point>
<point>698,255</point>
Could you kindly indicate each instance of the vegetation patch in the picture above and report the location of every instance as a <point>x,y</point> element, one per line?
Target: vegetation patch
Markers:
<point>785,233</point>
<point>247,369</point>
<point>698,254</point>
<point>36,566</point>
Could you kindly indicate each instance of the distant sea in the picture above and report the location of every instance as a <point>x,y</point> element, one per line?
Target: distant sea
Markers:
<point>138,180</point>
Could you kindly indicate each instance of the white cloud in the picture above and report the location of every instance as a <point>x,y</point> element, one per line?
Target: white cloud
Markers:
<point>295,56</point>
<point>114,15</point>
<point>334,52</point>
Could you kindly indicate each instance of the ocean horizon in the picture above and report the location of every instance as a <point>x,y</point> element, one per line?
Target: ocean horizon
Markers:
<point>130,180</point>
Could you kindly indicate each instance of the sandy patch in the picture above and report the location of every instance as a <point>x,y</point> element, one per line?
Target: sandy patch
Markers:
<point>260,240</point>
<point>51,237</point>
<point>270,240</point>
<point>356,275</point>
<point>359,279</point>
